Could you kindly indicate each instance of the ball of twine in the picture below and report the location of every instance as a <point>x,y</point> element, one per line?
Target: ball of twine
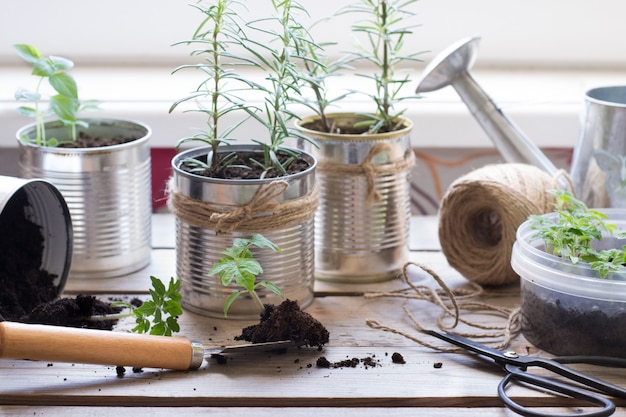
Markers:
<point>480,214</point>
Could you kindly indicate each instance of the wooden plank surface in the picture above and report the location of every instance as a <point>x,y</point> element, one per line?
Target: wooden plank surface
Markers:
<point>437,382</point>
<point>12,411</point>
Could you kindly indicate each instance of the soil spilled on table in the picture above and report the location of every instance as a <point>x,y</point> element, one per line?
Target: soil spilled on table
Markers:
<point>29,293</point>
<point>286,322</point>
<point>73,312</point>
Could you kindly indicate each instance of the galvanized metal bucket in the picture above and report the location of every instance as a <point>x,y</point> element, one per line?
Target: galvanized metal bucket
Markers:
<point>198,248</point>
<point>107,190</point>
<point>359,238</point>
<point>39,202</point>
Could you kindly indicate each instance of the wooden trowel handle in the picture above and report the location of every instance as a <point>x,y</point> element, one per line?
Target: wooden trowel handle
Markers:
<point>66,344</point>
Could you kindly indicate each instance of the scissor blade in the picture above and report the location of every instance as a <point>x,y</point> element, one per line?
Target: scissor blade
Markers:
<point>251,348</point>
<point>470,345</point>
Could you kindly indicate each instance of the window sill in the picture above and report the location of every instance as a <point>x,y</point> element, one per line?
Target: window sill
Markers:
<point>546,105</point>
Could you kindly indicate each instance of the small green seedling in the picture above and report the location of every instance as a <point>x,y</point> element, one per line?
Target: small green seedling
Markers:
<point>239,265</point>
<point>157,316</point>
<point>65,103</point>
<point>576,227</point>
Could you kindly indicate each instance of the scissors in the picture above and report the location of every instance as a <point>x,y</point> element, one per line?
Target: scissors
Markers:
<point>515,367</point>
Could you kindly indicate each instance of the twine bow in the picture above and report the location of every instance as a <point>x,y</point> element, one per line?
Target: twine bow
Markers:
<point>370,169</point>
<point>261,213</point>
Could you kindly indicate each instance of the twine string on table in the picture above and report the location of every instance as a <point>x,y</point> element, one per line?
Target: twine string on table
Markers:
<point>452,303</point>
<point>260,214</point>
<point>480,214</point>
<point>369,169</point>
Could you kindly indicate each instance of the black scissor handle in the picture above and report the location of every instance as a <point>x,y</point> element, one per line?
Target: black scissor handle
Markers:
<point>516,374</point>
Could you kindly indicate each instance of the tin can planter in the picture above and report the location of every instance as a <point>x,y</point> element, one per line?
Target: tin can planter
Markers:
<point>211,212</point>
<point>36,244</point>
<point>362,222</point>
<point>567,309</point>
<point>107,190</point>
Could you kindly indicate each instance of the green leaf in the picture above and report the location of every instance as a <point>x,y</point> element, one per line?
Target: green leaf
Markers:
<point>27,111</point>
<point>64,84</point>
<point>27,95</point>
<point>158,286</point>
<point>43,68</point>
<point>28,53</point>
<point>159,329</point>
<point>261,241</point>
<point>60,64</point>
<point>173,308</point>
<point>230,300</point>
<point>272,287</point>
<point>64,107</point>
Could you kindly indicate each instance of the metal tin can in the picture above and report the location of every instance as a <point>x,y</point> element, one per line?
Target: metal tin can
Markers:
<point>358,238</point>
<point>198,248</point>
<point>108,192</point>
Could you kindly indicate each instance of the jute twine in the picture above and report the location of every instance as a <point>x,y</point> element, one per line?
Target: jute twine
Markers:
<point>480,214</point>
<point>260,214</point>
<point>452,304</point>
<point>369,169</point>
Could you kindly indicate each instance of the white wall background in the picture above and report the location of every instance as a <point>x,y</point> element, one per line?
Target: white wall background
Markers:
<point>536,59</point>
<point>529,33</point>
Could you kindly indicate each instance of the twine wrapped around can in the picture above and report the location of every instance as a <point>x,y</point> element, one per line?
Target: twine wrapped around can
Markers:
<point>480,214</point>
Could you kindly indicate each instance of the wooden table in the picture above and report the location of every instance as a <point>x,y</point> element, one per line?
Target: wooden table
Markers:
<point>430,383</point>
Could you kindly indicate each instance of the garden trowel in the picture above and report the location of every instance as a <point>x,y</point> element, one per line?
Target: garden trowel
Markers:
<point>68,344</point>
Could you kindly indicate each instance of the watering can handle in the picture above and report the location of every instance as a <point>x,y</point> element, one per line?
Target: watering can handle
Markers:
<point>512,144</point>
<point>452,67</point>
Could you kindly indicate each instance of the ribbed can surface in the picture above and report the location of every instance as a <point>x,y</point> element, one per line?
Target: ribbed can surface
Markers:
<point>108,193</point>
<point>198,248</point>
<point>358,238</point>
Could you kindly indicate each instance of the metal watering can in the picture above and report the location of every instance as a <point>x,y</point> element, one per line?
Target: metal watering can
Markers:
<point>598,171</point>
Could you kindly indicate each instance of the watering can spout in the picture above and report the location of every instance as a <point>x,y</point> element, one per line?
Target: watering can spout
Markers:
<point>451,67</point>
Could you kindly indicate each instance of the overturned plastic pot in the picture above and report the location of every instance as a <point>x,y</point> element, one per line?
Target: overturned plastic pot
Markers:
<point>36,244</point>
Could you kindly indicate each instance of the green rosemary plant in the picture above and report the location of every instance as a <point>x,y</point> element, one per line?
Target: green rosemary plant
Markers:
<point>64,103</point>
<point>225,45</point>
<point>215,37</point>
<point>385,32</point>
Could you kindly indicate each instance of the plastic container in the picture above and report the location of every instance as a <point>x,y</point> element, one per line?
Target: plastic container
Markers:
<point>567,309</point>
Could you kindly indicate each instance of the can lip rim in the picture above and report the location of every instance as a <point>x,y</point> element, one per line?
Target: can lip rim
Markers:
<point>318,135</point>
<point>240,147</point>
<point>601,95</point>
<point>146,133</point>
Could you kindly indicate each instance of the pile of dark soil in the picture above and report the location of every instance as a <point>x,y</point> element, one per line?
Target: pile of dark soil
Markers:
<point>286,322</point>
<point>73,312</point>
